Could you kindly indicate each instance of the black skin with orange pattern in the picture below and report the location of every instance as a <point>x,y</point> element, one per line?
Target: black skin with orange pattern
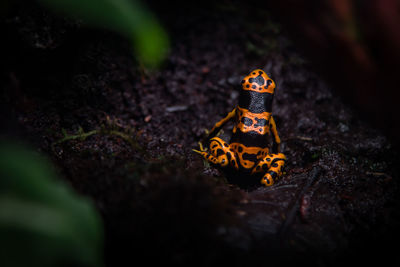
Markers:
<point>248,151</point>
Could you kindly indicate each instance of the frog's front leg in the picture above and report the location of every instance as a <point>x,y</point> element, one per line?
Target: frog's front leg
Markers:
<point>219,153</point>
<point>277,140</point>
<point>272,165</point>
<point>218,126</point>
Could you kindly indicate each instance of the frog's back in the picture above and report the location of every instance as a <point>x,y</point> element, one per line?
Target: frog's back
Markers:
<point>253,113</point>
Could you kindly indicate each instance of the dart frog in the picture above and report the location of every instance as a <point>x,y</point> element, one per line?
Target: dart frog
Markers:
<point>248,150</point>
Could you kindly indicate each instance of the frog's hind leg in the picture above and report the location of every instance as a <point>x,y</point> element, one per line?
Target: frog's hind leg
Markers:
<point>219,152</point>
<point>275,170</point>
<point>272,165</point>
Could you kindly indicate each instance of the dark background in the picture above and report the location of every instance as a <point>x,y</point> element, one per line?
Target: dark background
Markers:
<point>335,64</point>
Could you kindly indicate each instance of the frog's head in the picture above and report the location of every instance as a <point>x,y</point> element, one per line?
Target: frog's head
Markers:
<point>258,81</point>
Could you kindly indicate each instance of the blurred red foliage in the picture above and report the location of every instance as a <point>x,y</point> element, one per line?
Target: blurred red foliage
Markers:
<point>356,46</point>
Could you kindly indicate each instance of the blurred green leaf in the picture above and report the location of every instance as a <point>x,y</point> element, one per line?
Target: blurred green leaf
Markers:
<point>127,17</point>
<point>42,222</point>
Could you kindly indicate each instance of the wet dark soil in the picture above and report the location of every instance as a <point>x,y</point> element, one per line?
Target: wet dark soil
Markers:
<point>135,130</point>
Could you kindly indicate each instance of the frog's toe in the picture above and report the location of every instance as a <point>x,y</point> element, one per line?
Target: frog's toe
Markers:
<point>204,154</point>
<point>268,179</point>
<point>202,149</point>
<point>219,132</point>
<point>223,161</point>
<point>197,151</point>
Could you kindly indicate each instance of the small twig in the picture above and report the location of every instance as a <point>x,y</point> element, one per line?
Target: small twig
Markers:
<point>127,138</point>
<point>82,136</point>
<point>270,189</point>
<point>304,138</point>
<point>384,177</point>
<point>291,215</point>
<point>264,202</point>
<point>176,108</point>
<point>377,174</point>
